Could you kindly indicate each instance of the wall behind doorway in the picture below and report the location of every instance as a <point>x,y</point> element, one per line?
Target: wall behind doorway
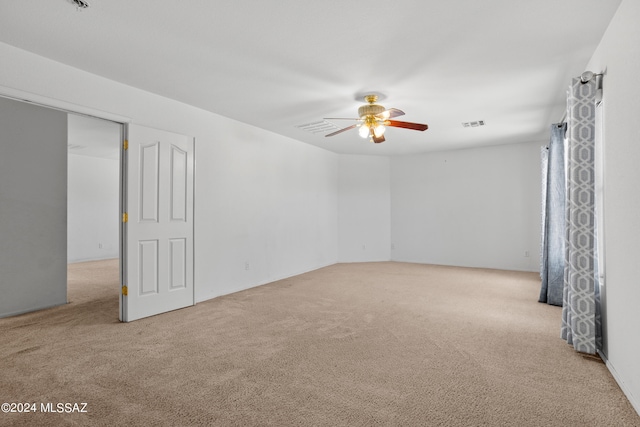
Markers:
<point>92,212</point>
<point>93,181</point>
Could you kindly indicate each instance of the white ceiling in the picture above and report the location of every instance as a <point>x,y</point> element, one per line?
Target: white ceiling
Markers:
<point>88,136</point>
<point>278,64</point>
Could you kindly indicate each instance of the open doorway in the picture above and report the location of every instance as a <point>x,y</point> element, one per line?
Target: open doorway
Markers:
<point>155,187</point>
<point>93,198</point>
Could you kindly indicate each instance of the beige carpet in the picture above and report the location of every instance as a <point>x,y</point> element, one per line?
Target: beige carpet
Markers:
<point>389,344</point>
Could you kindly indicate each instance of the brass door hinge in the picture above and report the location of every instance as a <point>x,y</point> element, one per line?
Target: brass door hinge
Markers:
<point>125,217</point>
<point>125,145</point>
<point>125,290</point>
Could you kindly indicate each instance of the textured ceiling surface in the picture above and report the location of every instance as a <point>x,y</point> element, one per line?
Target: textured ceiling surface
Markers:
<point>87,136</point>
<point>280,64</point>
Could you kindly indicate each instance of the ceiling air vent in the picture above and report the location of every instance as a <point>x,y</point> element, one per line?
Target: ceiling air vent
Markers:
<point>80,4</point>
<point>473,124</point>
<point>322,126</point>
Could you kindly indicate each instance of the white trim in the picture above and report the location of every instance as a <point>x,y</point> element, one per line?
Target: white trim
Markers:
<point>253,285</point>
<point>621,384</point>
<point>193,215</point>
<point>21,95</point>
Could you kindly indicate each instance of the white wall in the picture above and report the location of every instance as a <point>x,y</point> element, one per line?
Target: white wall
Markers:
<point>266,208</point>
<point>92,208</point>
<point>618,56</point>
<point>472,208</point>
<point>33,207</point>
<point>364,209</point>
<point>261,199</point>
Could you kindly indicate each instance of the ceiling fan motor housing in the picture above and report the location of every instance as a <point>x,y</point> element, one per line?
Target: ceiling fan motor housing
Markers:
<point>370,110</point>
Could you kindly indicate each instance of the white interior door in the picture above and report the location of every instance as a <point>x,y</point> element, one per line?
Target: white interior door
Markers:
<point>157,234</point>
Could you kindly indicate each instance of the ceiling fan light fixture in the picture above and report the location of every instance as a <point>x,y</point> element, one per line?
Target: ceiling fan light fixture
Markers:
<point>374,119</point>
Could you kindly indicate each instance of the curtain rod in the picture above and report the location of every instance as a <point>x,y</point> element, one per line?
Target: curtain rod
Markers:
<point>584,78</point>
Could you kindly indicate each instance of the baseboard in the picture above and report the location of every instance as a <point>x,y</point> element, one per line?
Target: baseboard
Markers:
<point>32,309</point>
<point>263,282</point>
<point>106,257</point>
<point>414,261</point>
<point>621,384</point>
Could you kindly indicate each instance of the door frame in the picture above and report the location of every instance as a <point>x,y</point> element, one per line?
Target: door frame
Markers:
<point>57,104</point>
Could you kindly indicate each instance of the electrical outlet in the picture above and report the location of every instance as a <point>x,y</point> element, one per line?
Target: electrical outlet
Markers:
<point>526,254</point>
<point>246,266</point>
<point>364,248</point>
<point>99,245</point>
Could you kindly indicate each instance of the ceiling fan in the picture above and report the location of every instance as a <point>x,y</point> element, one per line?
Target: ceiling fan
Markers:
<point>373,121</point>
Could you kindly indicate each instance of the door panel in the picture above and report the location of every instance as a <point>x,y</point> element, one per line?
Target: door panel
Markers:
<point>149,182</point>
<point>178,184</point>
<point>158,236</point>
<point>178,263</point>
<point>148,268</point>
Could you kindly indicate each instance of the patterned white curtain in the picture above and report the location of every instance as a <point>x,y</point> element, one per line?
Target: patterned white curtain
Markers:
<point>581,294</point>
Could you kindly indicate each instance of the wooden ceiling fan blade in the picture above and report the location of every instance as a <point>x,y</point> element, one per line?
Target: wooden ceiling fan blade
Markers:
<point>406,125</point>
<point>378,139</point>
<point>342,130</point>
<point>390,113</point>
